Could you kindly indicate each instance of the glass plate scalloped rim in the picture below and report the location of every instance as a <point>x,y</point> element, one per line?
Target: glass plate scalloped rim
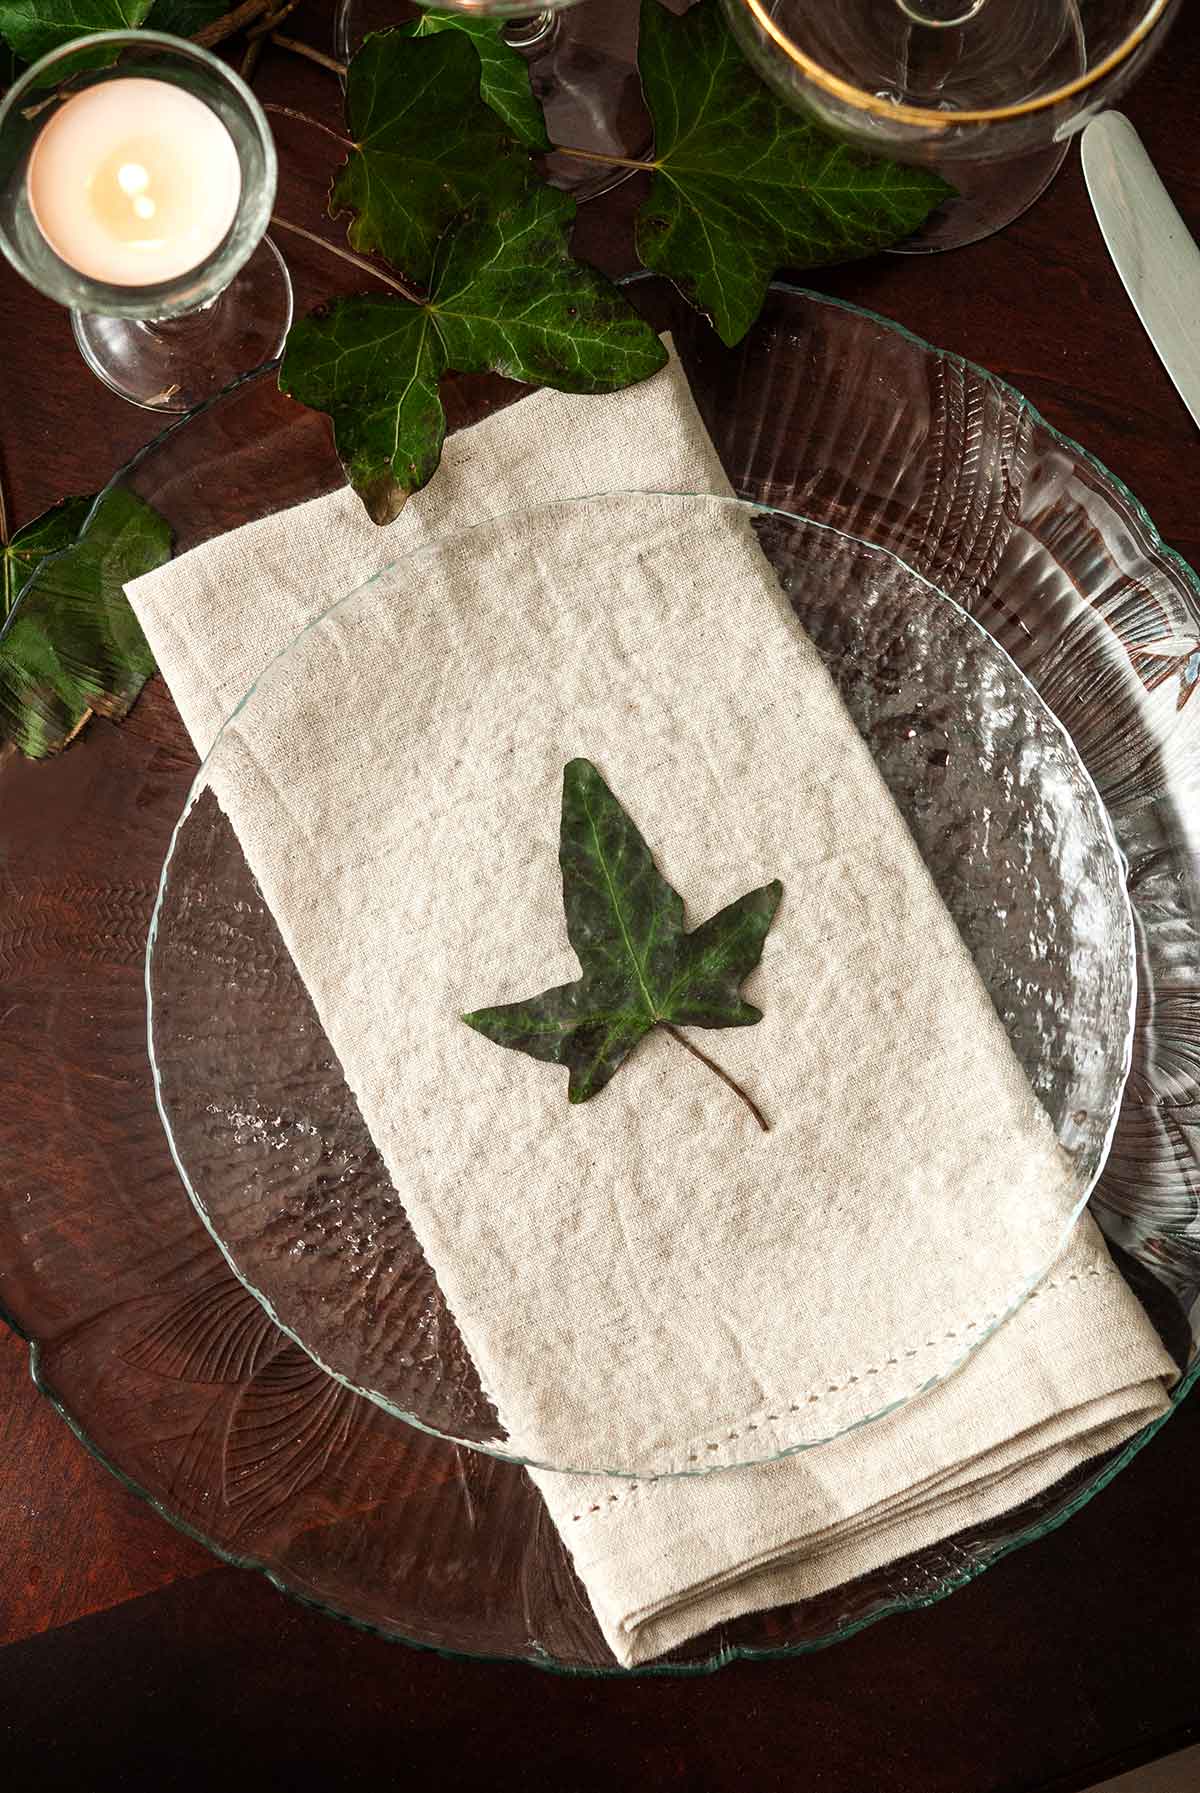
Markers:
<point>497,1448</point>
<point>727,1654</point>
<point>721,1658</point>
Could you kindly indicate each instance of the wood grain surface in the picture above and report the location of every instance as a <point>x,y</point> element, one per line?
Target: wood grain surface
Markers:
<point>131,1659</point>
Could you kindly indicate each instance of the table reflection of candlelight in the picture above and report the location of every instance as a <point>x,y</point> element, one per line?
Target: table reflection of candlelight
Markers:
<point>134,181</point>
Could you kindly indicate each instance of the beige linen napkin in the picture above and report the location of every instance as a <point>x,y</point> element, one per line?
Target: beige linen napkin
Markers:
<point>648,1281</point>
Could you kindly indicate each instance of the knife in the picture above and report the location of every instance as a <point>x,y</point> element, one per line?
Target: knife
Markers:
<point>1150,244</point>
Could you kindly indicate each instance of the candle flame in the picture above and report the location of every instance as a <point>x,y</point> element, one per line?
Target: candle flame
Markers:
<point>132,178</point>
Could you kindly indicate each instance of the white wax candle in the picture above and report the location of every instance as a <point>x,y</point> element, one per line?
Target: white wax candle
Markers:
<point>134,181</point>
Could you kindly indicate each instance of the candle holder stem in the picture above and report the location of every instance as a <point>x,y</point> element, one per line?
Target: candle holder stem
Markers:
<point>174,364</point>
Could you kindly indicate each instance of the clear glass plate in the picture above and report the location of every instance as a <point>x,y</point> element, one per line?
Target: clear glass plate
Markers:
<point>145,1340</point>
<point>268,1136</point>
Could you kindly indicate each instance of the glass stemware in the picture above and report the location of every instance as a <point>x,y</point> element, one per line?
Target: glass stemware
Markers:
<point>582,57</point>
<point>989,92</point>
<point>170,300</point>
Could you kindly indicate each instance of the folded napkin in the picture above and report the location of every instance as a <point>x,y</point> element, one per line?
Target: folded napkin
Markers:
<point>648,1281</point>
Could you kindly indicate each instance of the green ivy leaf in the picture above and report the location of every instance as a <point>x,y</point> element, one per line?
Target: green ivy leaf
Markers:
<point>373,364</point>
<point>183,18</point>
<point>426,147</point>
<point>71,642</point>
<point>34,27</point>
<point>641,968</point>
<point>504,82</point>
<point>507,298</point>
<point>744,185</point>
<point>54,530</point>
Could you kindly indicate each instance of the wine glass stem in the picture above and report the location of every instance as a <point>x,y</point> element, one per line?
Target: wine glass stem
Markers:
<point>941,12</point>
<point>532,33</point>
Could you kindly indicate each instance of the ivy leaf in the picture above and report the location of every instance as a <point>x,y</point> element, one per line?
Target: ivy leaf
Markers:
<point>426,147</point>
<point>504,82</point>
<point>744,185</point>
<point>641,969</point>
<point>507,298</point>
<point>183,18</point>
<point>34,27</point>
<point>54,530</point>
<point>71,642</point>
<point>373,364</point>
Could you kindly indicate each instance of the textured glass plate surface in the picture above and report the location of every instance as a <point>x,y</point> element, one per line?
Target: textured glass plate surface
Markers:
<point>147,1342</point>
<point>268,1136</point>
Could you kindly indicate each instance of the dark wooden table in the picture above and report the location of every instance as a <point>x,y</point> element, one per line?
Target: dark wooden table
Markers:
<point>132,1659</point>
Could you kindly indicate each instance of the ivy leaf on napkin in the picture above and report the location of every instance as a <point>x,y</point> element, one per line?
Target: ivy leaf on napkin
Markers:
<point>505,297</point>
<point>71,644</point>
<point>504,82</point>
<point>426,147</point>
<point>641,969</point>
<point>744,185</point>
<point>34,27</point>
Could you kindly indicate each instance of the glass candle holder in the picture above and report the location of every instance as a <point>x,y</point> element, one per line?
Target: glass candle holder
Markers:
<point>137,177</point>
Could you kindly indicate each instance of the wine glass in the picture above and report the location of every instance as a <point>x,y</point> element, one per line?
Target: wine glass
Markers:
<point>137,176</point>
<point>582,57</point>
<point>988,92</point>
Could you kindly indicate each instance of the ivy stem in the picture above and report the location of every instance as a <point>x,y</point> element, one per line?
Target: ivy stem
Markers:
<point>230,23</point>
<point>347,255</point>
<point>273,20</point>
<point>737,1089</point>
<point>594,155</point>
<point>298,49</point>
<point>251,58</point>
<point>304,118</point>
<point>256,37</point>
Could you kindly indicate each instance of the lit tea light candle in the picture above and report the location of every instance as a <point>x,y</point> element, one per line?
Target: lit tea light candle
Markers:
<point>134,181</point>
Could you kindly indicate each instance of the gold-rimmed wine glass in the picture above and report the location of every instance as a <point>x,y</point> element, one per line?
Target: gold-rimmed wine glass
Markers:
<point>988,92</point>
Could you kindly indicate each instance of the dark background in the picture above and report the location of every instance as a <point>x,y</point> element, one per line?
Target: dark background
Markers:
<point>132,1659</point>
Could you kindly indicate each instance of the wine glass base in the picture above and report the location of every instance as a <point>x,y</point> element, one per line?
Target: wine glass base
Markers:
<point>587,80</point>
<point>176,364</point>
<point>990,196</point>
<point>584,71</point>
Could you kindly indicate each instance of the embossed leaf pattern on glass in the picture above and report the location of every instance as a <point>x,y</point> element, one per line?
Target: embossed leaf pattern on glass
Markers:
<point>274,1422</point>
<point>216,1332</point>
